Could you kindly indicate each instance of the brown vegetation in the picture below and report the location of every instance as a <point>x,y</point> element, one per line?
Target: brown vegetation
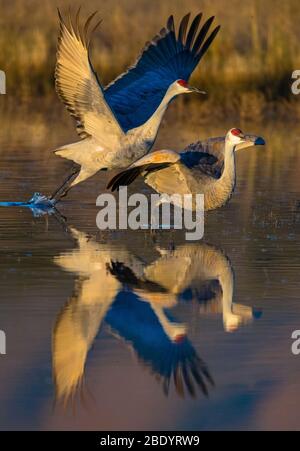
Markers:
<point>247,71</point>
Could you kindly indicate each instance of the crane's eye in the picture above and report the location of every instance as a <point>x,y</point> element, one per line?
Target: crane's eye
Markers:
<point>236,132</point>
<point>182,83</point>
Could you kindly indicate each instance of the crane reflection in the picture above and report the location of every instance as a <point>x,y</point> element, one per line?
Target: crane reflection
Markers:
<point>134,300</point>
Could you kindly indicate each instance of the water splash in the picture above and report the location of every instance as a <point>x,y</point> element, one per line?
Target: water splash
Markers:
<point>38,204</point>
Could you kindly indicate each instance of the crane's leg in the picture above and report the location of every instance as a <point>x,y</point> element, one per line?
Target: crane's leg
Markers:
<point>63,189</point>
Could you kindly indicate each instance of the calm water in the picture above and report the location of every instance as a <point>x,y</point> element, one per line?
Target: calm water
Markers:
<point>138,331</point>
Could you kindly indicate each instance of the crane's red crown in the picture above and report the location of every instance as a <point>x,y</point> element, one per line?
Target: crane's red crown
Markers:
<point>182,83</point>
<point>236,132</point>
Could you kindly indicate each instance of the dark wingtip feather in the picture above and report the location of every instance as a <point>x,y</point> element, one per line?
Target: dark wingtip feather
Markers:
<point>111,182</point>
<point>166,386</point>
<point>83,34</point>
<point>93,30</point>
<point>86,28</point>
<point>78,31</point>
<point>114,182</point>
<point>169,58</point>
<point>70,19</point>
<point>183,27</point>
<point>62,23</point>
<point>208,42</point>
<point>193,30</point>
<point>124,178</point>
<point>188,381</point>
<point>177,375</point>
<point>59,15</point>
<point>170,23</point>
<point>202,34</point>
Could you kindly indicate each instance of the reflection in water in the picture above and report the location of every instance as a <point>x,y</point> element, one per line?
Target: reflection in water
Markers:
<point>259,228</point>
<point>79,322</point>
<point>133,298</point>
<point>202,273</point>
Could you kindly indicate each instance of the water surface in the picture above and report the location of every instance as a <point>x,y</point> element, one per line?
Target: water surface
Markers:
<point>129,330</point>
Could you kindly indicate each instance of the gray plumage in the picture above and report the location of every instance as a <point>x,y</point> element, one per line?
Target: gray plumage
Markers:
<point>206,167</point>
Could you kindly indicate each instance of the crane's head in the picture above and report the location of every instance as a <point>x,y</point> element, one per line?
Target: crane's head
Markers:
<point>182,87</point>
<point>241,141</point>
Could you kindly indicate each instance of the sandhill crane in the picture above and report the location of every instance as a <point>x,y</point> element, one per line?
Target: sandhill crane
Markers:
<point>119,124</point>
<point>194,171</point>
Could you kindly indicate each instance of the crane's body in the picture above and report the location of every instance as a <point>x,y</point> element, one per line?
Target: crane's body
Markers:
<point>217,190</point>
<point>117,150</point>
<point>169,172</point>
<point>119,124</point>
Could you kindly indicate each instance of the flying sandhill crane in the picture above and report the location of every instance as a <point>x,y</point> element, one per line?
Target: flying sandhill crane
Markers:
<point>194,171</point>
<point>119,124</point>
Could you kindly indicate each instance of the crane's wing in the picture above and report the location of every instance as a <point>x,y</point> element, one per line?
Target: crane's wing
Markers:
<point>205,156</point>
<point>135,95</point>
<point>208,156</point>
<point>134,320</point>
<point>77,84</point>
<point>166,171</point>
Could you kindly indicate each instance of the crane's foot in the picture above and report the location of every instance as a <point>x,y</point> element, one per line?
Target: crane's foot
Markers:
<point>63,190</point>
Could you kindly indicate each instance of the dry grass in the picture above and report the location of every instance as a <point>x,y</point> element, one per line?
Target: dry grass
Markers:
<point>247,71</point>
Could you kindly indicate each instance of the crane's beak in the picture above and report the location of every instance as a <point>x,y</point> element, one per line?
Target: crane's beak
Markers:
<point>249,141</point>
<point>259,141</point>
<point>197,90</point>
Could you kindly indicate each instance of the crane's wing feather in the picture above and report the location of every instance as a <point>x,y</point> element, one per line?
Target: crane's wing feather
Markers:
<point>135,95</point>
<point>78,86</point>
<point>166,178</point>
<point>126,177</point>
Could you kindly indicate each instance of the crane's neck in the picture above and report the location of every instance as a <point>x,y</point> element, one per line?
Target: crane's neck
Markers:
<point>219,192</point>
<point>171,329</point>
<point>226,282</point>
<point>150,128</point>
<point>228,175</point>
